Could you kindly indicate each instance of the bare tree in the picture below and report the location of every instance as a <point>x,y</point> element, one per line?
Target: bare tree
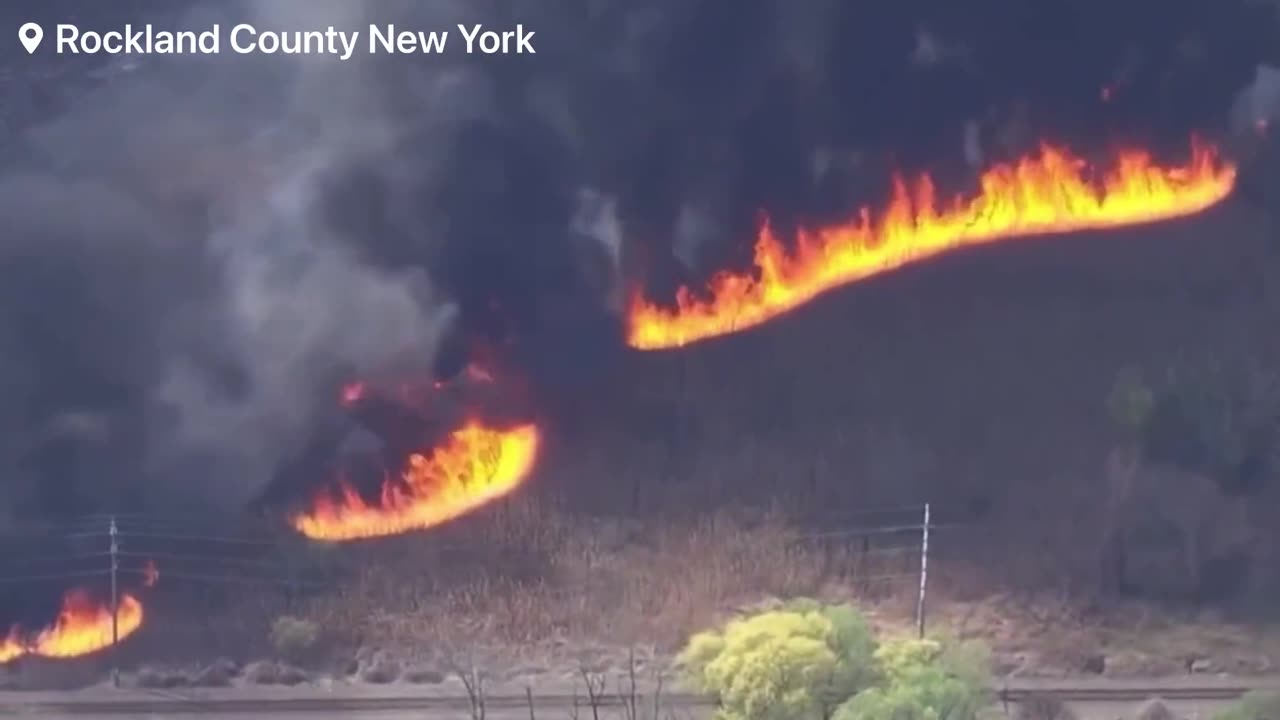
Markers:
<point>627,692</point>
<point>573,705</point>
<point>595,684</point>
<point>657,694</point>
<point>473,681</point>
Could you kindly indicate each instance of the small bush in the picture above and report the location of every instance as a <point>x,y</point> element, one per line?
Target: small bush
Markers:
<point>292,638</point>
<point>923,680</point>
<point>794,663</point>
<point>262,672</point>
<point>1256,705</point>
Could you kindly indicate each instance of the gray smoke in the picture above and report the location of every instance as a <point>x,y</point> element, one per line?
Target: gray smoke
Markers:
<point>179,304</point>
<point>1257,107</point>
<point>197,251</point>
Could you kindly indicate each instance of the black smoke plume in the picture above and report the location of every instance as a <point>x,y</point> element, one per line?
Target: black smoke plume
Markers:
<point>198,251</point>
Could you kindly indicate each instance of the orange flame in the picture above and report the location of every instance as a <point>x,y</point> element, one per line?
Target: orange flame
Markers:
<point>11,647</point>
<point>1046,193</point>
<point>82,627</point>
<point>475,466</point>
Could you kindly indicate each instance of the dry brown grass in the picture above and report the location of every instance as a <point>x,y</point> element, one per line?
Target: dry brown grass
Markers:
<point>528,585</point>
<point>571,585</point>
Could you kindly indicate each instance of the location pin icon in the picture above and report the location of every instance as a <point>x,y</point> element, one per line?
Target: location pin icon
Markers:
<point>30,35</point>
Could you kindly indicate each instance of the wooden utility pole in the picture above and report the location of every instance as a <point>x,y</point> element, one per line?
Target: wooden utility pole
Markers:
<point>924,571</point>
<point>115,602</point>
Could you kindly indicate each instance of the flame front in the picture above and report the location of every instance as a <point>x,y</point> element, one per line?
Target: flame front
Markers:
<point>1047,193</point>
<point>475,466</point>
<point>82,627</point>
<point>11,647</point>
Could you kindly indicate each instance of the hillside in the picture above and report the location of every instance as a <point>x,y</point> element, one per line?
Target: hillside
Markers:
<point>977,383</point>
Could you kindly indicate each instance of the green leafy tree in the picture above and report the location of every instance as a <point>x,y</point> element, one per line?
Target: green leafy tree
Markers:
<point>923,680</point>
<point>793,663</point>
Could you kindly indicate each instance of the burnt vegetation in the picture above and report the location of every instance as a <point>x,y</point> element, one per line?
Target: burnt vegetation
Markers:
<point>1094,419</point>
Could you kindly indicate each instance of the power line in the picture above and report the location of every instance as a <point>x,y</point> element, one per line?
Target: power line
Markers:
<point>167,523</point>
<point>200,577</point>
<point>88,535</point>
<point>889,530</point>
<point>197,538</point>
<point>863,512</point>
<point>55,576</point>
<point>24,527</point>
<point>855,553</point>
<point>94,525</point>
<point>181,557</point>
<point>70,557</point>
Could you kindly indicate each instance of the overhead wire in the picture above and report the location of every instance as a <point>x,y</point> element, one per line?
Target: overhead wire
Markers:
<point>198,538</point>
<point>191,557</point>
<point>243,579</point>
<point>55,576</point>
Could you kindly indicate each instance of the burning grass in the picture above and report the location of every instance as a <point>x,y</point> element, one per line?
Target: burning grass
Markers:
<point>1048,192</point>
<point>920,398</point>
<point>979,385</point>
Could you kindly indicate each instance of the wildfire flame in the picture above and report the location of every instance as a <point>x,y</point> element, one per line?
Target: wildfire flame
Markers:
<point>11,647</point>
<point>476,465</point>
<point>1051,192</point>
<point>82,627</point>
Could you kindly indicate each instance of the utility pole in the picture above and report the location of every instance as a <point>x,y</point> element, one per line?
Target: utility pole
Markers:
<point>115,601</point>
<point>924,571</point>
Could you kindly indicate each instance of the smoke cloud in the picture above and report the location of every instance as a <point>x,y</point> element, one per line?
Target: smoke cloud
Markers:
<point>181,300</point>
<point>198,250</point>
<point>1258,104</point>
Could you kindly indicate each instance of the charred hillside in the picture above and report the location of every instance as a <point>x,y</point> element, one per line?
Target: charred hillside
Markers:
<point>390,296</point>
<point>979,382</point>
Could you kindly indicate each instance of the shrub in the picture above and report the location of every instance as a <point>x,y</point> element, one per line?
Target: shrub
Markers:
<point>1130,402</point>
<point>1256,705</point>
<point>1203,414</point>
<point>923,680</point>
<point>292,638</point>
<point>793,663</point>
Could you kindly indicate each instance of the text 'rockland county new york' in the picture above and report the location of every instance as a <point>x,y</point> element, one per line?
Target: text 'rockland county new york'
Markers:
<point>248,39</point>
